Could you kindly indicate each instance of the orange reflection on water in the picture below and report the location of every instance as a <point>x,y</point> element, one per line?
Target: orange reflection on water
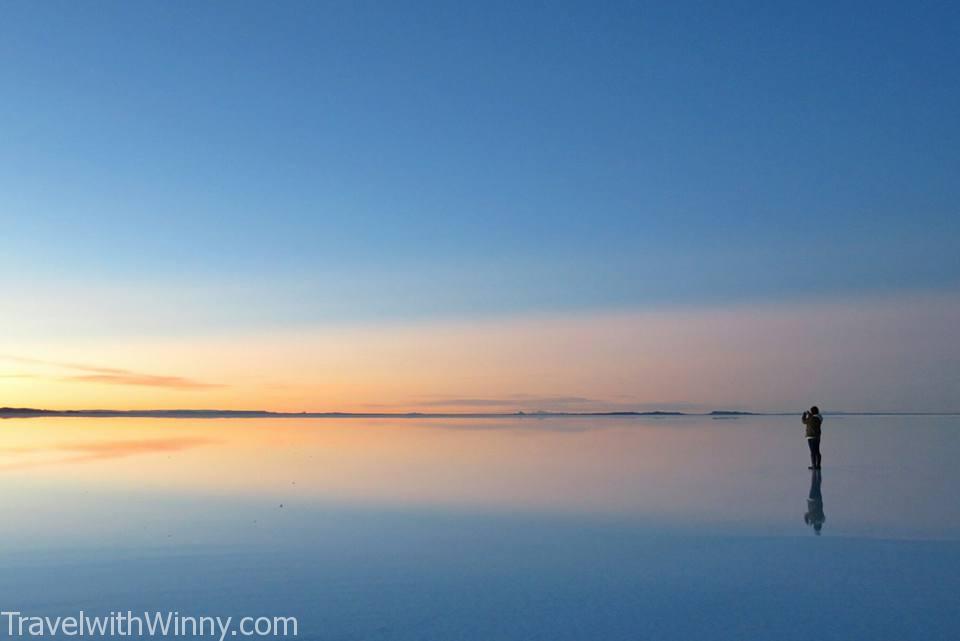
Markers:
<point>138,477</point>
<point>557,464</point>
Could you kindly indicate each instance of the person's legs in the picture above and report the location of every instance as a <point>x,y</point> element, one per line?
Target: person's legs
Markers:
<point>814,444</point>
<point>815,453</point>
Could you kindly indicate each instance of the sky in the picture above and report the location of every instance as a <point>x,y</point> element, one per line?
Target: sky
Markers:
<point>464,206</point>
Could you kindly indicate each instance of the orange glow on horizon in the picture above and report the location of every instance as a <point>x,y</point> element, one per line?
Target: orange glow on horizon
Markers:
<point>763,357</point>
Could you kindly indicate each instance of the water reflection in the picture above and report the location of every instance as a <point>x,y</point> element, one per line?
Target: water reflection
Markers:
<point>815,517</point>
<point>673,473</point>
<point>560,529</point>
<point>85,452</point>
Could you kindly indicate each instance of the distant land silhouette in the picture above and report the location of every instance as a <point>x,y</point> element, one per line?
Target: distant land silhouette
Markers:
<point>29,412</point>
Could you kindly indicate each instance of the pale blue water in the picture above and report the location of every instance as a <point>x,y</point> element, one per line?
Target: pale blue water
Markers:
<point>686,528</point>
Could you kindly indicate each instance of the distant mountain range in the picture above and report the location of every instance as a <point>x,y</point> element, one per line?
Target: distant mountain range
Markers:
<point>29,412</point>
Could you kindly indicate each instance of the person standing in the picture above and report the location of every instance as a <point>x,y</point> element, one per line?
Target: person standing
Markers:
<point>813,421</point>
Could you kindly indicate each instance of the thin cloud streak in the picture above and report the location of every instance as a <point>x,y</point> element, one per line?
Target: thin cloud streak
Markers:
<point>146,380</point>
<point>111,375</point>
<point>512,401</point>
<point>530,402</point>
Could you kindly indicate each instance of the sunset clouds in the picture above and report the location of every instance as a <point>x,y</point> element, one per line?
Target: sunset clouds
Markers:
<point>893,353</point>
<point>85,373</point>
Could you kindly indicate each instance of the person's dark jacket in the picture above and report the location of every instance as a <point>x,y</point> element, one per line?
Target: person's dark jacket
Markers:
<point>813,423</point>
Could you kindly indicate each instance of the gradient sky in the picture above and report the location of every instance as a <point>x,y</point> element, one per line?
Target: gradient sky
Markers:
<point>315,206</point>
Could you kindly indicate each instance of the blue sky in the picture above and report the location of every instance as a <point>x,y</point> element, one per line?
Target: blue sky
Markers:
<point>338,206</point>
<point>434,158</point>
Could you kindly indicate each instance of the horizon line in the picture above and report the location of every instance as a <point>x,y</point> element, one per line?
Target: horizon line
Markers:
<point>29,412</point>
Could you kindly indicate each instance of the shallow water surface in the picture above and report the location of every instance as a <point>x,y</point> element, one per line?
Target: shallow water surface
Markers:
<point>512,528</point>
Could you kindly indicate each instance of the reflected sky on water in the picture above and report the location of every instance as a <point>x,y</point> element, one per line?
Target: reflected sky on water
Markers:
<point>491,528</point>
<point>884,476</point>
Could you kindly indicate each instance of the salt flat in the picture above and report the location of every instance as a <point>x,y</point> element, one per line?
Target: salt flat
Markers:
<point>519,528</point>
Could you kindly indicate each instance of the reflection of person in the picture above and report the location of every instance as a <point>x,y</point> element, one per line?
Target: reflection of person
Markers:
<point>815,516</point>
<point>813,421</point>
